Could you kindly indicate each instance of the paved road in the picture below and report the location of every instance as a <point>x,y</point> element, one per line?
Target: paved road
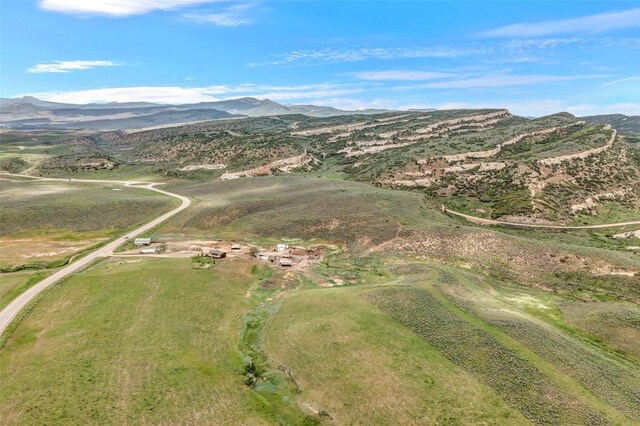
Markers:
<point>12,310</point>
<point>482,221</point>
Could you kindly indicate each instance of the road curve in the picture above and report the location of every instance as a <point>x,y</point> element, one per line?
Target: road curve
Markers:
<point>11,311</point>
<point>482,221</point>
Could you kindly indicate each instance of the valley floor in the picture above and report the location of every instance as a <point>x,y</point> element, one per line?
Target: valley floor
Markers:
<point>411,317</point>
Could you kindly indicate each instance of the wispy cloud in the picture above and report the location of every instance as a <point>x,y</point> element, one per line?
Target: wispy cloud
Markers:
<point>528,44</point>
<point>505,80</point>
<point>68,66</point>
<point>356,54</point>
<point>519,50</point>
<point>622,80</point>
<point>231,16</point>
<point>401,75</point>
<point>590,24</point>
<point>116,8</point>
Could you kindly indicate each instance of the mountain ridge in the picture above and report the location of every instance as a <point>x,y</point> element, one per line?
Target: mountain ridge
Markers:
<point>32,113</point>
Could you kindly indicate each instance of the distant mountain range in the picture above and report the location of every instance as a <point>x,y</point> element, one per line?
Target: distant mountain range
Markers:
<point>33,113</point>
<point>30,113</point>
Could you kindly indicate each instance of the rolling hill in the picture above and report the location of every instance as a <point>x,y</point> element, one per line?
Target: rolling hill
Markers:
<point>487,163</point>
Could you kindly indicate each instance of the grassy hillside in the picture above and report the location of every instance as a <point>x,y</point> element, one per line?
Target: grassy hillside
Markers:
<point>300,207</point>
<point>53,209</point>
<point>414,317</point>
<point>45,224</point>
<point>427,345</point>
<point>361,366</point>
<point>151,342</point>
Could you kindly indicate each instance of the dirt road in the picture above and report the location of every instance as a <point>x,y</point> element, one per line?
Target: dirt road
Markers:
<point>11,311</point>
<point>482,221</point>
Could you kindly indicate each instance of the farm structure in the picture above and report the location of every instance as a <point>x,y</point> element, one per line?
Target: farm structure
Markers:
<point>262,256</point>
<point>217,254</point>
<point>183,247</point>
<point>287,260</point>
<point>278,255</point>
<point>141,242</point>
<point>294,257</point>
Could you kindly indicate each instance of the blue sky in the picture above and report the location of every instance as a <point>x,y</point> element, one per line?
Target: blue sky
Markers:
<point>531,57</point>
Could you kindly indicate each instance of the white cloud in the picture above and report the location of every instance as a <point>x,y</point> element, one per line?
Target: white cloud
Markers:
<point>116,8</point>
<point>169,95</point>
<point>401,75</point>
<point>502,80</point>
<point>590,24</point>
<point>231,16</point>
<point>183,95</point>
<point>68,66</point>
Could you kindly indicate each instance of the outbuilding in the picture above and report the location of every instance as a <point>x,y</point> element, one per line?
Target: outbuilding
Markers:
<point>286,262</point>
<point>217,254</point>
<point>262,256</point>
<point>142,241</point>
<point>148,251</point>
<point>282,247</point>
<point>236,246</point>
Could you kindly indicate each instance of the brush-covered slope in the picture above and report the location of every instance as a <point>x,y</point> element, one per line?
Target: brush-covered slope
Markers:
<point>484,162</point>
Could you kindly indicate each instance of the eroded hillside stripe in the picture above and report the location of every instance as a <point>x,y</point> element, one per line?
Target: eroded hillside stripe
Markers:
<point>581,155</point>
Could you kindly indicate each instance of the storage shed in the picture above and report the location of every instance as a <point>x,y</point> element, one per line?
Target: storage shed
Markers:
<point>282,247</point>
<point>142,241</point>
<point>262,256</point>
<point>217,254</point>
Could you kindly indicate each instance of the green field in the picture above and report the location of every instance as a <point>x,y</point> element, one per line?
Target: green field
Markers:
<point>72,210</point>
<point>135,342</point>
<point>412,317</point>
<point>47,224</point>
<point>363,367</point>
<point>163,342</point>
<point>15,283</point>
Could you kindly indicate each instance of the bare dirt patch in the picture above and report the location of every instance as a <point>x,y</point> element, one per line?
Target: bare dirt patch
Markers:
<point>19,251</point>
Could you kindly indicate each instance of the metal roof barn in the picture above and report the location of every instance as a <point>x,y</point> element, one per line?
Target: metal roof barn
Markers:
<point>142,241</point>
